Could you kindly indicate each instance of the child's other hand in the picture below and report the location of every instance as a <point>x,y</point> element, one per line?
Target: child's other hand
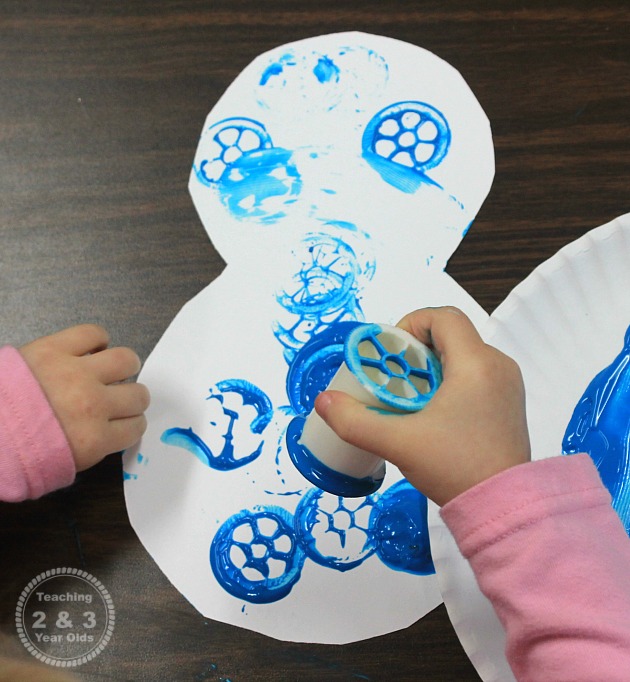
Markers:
<point>81,379</point>
<point>474,426</point>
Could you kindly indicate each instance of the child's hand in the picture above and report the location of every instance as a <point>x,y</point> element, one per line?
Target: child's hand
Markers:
<point>80,378</point>
<point>473,428</point>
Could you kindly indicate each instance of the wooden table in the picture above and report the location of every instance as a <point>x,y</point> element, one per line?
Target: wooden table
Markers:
<point>101,107</point>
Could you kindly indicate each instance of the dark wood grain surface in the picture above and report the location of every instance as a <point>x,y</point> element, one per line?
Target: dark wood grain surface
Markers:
<point>101,107</point>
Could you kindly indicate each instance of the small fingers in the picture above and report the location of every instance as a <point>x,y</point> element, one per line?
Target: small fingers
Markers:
<point>115,436</point>
<point>447,330</point>
<point>123,433</point>
<point>82,339</point>
<point>362,426</point>
<point>127,400</point>
<point>115,364</point>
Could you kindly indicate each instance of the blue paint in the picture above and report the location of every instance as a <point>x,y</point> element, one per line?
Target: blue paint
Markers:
<point>255,555</point>
<point>330,532</point>
<point>396,384</point>
<point>225,143</point>
<point>600,426</point>
<point>325,478</point>
<point>460,205</point>
<point>277,68</point>
<point>260,185</point>
<point>226,460</point>
<point>326,71</point>
<point>405,140</point>
<point>341,224</point>
<point>188,440</point>
<point>274,69</point>
<point>290,493</point>
<point>250,395</point>
<point>400,531</point>
<point>140,459</point>
<point>326,281</point>
<point>324,291</point>
<point>394,371</point>
<point>315,364</point>
<point>258,556</point>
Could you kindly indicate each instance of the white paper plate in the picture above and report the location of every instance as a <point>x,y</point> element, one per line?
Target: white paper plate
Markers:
<point>563,325</point>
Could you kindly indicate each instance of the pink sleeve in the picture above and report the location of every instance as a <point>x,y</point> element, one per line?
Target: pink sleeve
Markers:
<point>554,559</point>
<point>35,457</point>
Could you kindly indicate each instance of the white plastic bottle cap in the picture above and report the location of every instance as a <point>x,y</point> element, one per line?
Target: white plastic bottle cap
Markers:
<point>385,368</point>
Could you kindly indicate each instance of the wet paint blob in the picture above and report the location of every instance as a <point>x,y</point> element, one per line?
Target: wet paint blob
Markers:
<point>600,426</point>
<point>326,70</point>
<point>400,530</point>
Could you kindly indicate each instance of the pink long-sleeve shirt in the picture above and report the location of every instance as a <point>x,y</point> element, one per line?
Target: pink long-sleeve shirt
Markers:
<point>553,557</point>
<point>542,538</point>
<point>35,457</point>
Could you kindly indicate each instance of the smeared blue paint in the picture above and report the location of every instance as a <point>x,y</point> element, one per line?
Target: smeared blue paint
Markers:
<point>314,526</point>
<point>315,364</point>
<point>325,478</point>
<point>274,69</point>
<point>129,477</point>
<point>326,70</point>
<point>342,225</point>
<point>226,460</point>
<point>405,140</point>
<point>242,565</point>
<point>250,395</point>
<point>467,228</point>
<point>277,68</point>
<point>392,367</point>
<point>600,426</point>
<point>260,185</point>
<point>326,289</point>
<point>455,200</point>
<point>400,531</point>
<point>327,280</point>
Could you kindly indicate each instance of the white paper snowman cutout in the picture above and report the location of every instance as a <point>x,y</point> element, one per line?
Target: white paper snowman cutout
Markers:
<point>335,177</point>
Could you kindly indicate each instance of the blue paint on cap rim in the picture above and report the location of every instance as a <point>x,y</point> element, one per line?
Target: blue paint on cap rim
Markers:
<point>394,378</point>
<point>322,476</point>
